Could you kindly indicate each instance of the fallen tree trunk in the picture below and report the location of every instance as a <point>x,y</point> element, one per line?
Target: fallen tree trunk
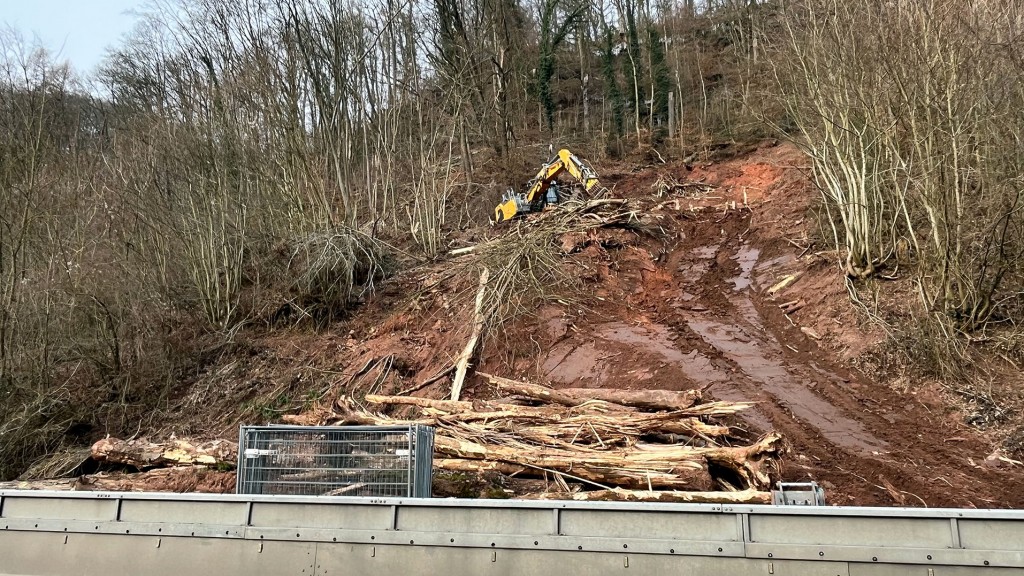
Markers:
<point>602,468</point>
<point>181,479</point>
<point>144,454</point>
<point>620,495</point>
<point>748,466</point>
<point>160,480</point>
<point>603,478</point>
<point>443,405</point>
<point>450,411</point>
<point>478,466</point>
<point>535,391</point>
<point>755,465</point>
<point>645,399</point>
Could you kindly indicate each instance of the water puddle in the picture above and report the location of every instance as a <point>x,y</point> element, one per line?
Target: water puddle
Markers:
<point>653,338</point>
<point>746,258</point>
<point>592,361</point>
<point>698,263</point>
<point>706,252</point>
<point>766,269</point>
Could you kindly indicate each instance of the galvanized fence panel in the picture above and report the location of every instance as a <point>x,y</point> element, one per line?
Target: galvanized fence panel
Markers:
<point>336,460</point>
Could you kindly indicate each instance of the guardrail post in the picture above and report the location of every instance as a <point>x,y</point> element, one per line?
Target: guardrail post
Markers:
<point>954,527</point>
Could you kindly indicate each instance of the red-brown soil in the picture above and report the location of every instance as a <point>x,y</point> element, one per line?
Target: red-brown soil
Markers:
<point>686,310</point>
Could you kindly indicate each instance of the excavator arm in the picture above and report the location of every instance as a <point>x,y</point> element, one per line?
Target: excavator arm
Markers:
<point>535,198</point>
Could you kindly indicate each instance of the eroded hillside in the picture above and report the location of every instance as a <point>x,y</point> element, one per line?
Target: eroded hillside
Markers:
<point>718,290</point>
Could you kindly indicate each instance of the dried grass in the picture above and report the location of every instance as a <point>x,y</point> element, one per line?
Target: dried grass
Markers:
<point>322,274</point>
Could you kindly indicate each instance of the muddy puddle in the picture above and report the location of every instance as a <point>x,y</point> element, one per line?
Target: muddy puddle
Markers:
<point>697,262</point>
<point>746,257</point>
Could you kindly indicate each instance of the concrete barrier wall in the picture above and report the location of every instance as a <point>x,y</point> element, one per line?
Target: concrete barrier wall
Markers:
<point>81,534</point>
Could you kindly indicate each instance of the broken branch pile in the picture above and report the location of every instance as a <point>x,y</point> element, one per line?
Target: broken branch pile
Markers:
<point>629,445</point>
<point>526,263</point>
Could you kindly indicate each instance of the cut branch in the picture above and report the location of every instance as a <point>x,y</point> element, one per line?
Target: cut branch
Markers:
<point>478,325</point>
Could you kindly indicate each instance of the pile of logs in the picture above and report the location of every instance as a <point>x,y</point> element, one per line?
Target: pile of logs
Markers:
<point>650,445</point>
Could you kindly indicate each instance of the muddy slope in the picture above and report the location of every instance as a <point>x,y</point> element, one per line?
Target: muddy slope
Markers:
<point>688,308</point>
<point>692,311</point>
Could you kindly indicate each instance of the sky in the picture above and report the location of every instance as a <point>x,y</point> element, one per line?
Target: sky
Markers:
<point>75,30</point>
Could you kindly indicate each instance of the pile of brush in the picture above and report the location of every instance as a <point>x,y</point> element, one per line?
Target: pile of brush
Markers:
<point>650,445</point>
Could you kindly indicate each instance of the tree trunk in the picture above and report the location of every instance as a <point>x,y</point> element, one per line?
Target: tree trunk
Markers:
<point>600,469</point>
<point>620,495</point>
<point>144,454</point>
<point>645,399</point>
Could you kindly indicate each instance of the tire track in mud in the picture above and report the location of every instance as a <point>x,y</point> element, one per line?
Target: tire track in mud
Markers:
<point>756,371</point>
<point>743,355</point>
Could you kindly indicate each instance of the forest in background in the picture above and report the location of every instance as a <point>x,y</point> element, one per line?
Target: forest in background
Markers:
<point>260,164</point>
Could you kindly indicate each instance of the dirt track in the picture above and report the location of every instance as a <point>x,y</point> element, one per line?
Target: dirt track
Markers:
<point>692,312</point>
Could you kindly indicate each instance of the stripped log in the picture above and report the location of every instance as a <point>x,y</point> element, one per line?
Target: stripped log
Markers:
<point>599,425</point>
<point>444,405</point>
<point>644,399</point>
<point>620,495</point>
<point>682,402</point>
<point>535,391</point>
<point>145,454</point>
<point>605,468</point>
<point>478,466</point>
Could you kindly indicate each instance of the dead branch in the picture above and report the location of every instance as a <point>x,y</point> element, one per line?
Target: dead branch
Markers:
<point>428,381</point>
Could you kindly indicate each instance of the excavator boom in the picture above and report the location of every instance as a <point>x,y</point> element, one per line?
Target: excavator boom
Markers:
<point>536,196</point>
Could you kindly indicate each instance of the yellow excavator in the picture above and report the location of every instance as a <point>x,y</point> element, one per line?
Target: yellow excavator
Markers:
<point>543,189</point>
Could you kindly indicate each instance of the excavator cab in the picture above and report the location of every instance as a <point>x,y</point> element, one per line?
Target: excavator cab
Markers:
<point>543,190</point>
<point>512,203</point>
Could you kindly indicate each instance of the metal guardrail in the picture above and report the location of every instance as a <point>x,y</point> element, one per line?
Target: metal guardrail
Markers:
<point>381,461</point>
<point>58,533</point>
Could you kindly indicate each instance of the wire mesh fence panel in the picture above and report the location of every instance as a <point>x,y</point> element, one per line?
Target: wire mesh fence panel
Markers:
<point>336,460</point>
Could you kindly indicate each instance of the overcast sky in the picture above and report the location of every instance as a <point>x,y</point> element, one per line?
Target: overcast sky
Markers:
<point>76,30</point>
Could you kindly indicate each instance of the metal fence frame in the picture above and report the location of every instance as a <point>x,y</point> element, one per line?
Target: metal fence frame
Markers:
<point>384,467</point>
